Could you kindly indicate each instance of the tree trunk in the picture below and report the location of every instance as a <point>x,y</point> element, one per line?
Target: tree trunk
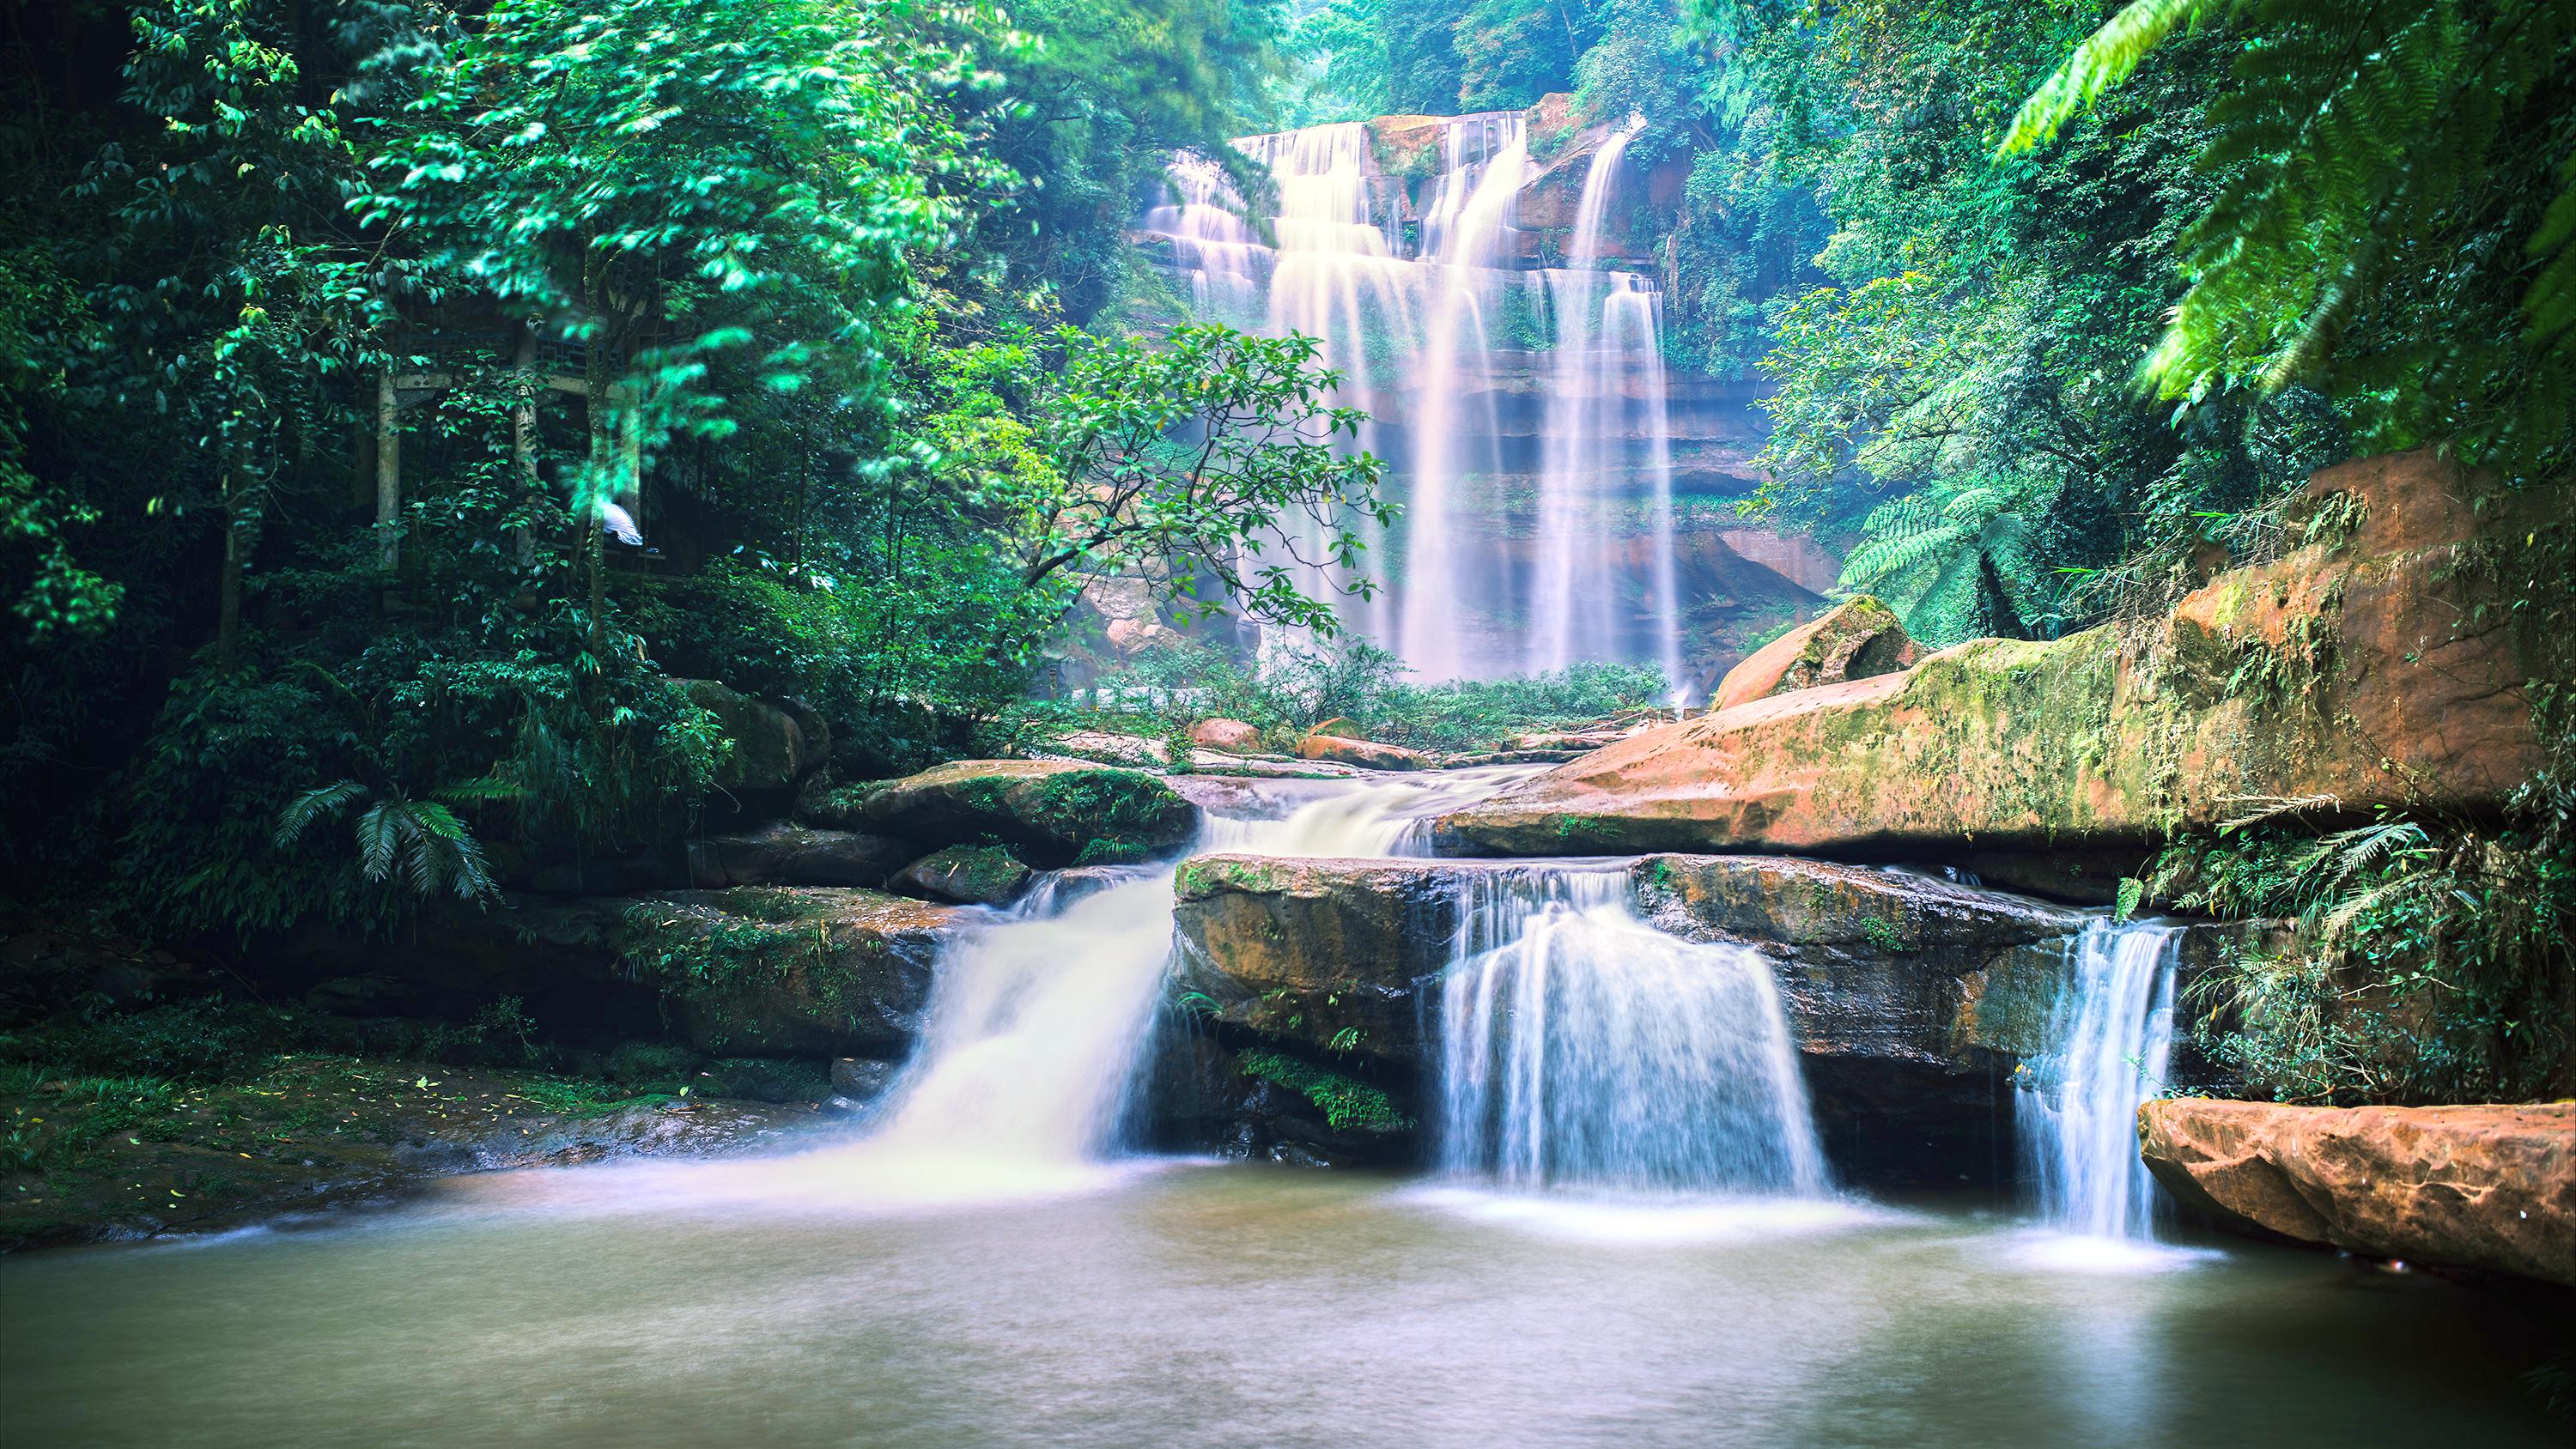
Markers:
<point>228,589</point>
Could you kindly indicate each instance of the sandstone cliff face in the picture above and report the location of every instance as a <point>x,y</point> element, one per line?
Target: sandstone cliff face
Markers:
<point>2378,664</point>
<point>2471,1187</point>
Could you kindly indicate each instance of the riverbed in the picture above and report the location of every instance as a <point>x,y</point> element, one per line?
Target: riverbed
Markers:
<point>800,1301</point>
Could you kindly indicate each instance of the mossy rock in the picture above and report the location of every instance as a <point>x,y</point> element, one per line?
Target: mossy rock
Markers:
<point>973,875</point>
<point>1051,811</point>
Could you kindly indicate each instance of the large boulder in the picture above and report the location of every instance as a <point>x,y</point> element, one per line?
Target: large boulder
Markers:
<point>2471,1187</point>
<point>1366,754</point>
<point>1859,639</point>
<point>775,745</point>
<point>1234,736</point>
<point>2383,662</point>
<point>1056,812</point>
<point>769,971</point>
<point>782,854</point>
<point>973,875</point>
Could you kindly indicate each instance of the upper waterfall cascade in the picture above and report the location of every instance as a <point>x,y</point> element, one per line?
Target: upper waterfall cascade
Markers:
<point>1443,313</point>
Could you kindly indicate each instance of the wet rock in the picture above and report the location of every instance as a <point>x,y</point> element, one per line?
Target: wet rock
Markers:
<point>972,875</point>
<point>1859,639</point>
<point>861,1078</point>
<point>1232,735</point>
<point>783,854</point>
<point>1365,754</point>
<point>2375,665</point>
<point>2490,1187</point>
<point>1056,812</point>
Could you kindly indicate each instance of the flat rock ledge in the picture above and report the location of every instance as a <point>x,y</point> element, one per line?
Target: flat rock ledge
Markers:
<point>2489,1187</point>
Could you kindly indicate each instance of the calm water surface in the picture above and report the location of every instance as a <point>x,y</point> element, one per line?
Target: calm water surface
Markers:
<point>649,1304</point>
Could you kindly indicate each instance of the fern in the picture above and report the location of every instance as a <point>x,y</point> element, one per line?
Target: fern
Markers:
<point>435,850</point>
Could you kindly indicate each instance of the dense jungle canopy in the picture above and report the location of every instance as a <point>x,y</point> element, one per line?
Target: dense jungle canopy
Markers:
<point>2048,299</point>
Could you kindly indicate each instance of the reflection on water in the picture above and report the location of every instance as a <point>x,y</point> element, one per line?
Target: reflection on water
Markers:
<point>1189,1303</point>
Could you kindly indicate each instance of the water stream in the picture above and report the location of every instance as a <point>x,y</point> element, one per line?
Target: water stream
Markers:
<point>2111,1033</point>
<point>1583,1050</point>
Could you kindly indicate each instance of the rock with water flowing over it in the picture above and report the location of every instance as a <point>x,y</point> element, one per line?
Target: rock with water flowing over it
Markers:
<point>2378,663</point>
<point>973,875</point>
<point>763,971</point>
<point>783,854</point>
<point>2490,1187</point>
<point>1910,997</point>
<point>1056,812</point>
<point>1859,639</point>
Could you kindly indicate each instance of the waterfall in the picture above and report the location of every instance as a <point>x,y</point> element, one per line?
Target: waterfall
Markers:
<point>1421,296</point>
<point>1037,1017</point>
<point>1464,236</point>
<point>2109,1034</point>
<point>1583,1050</point>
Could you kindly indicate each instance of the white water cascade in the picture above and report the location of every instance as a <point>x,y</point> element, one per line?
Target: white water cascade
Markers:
<point>1582,1050</point>
<point>2111,1034</point>
<point>1037,1019</point>
<point>1428,298</point>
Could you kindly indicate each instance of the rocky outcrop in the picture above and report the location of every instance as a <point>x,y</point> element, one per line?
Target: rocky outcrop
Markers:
<point>784,854</point>
<point>1858,639</point>
<point>2490,1187</point>
<point>1910,996</point>
<point>2376,664</point>
<point>1366,754</point>
<point>973,875</point>
<point>809,972</point>
<point>1056,812</point>
<point>1877,963</point>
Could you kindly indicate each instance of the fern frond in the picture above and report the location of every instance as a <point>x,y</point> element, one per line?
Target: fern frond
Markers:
<point>380,839</point>
<point>2100,64</point>
<point>312,805</point>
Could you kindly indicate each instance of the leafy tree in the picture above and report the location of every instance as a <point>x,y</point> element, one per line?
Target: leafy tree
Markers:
<point>2397,222</point>
<point>1210,453</point>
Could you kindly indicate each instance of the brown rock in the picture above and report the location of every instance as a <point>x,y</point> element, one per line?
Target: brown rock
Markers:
<point>2471,1187</point>
<point>1231,735</point>
<point>1363,753</point>
<point>2369,667</point>
<point>1859,639</point>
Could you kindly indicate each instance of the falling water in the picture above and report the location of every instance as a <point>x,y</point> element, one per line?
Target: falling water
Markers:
<point>1583,1050</point>
<point>1422,300</point>
<point>2110,1035</point>
<point>1466,236</point>
<point>1037,1019</point>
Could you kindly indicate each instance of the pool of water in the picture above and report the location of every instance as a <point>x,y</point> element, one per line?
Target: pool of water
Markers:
<point>788,1303</point>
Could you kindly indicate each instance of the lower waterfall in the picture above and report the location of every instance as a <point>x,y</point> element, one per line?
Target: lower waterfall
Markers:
<point>2110,1036</point>
<point>1583,1050</point>
<point>1037,1019</point>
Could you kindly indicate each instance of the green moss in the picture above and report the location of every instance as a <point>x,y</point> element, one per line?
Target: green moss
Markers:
<point>1347,1105</point>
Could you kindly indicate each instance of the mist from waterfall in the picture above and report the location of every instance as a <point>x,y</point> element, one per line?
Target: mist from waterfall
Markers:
<point>2110,1037</point>
<point>1427,299</point>
<point>1584,1051</point>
